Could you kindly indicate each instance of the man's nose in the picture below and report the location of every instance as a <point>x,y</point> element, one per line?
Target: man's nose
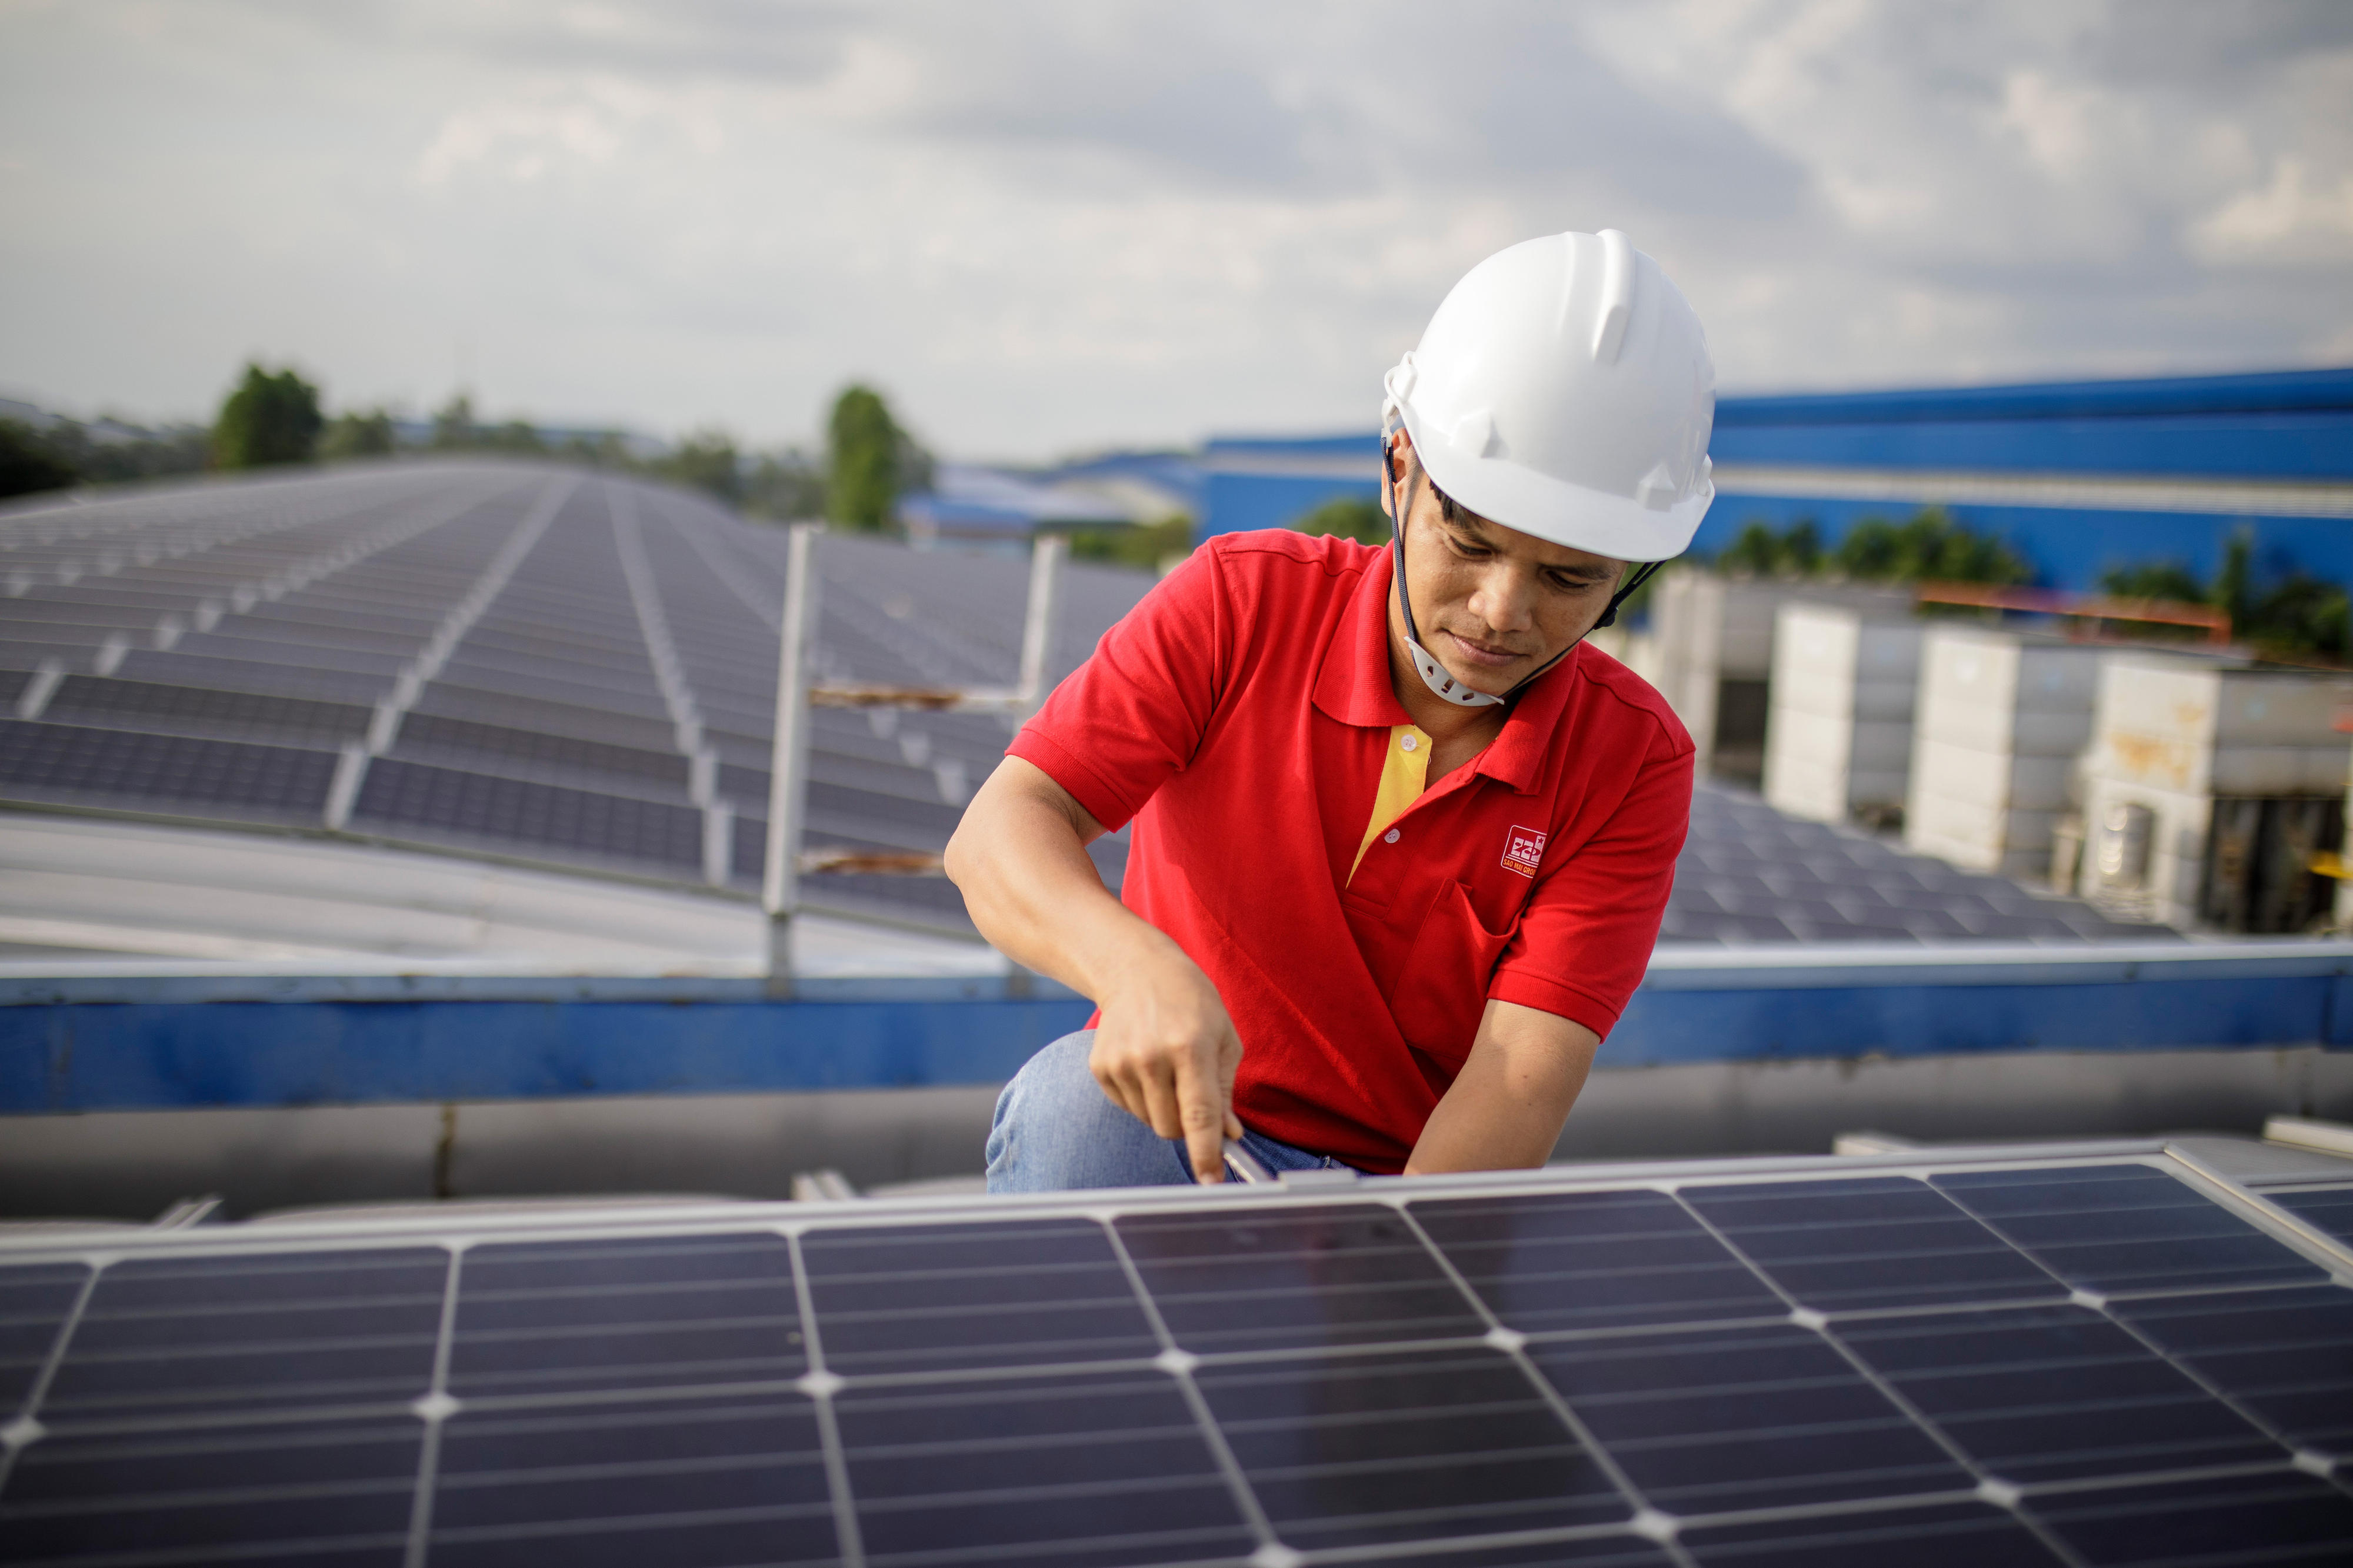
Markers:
<point>1505,598</point>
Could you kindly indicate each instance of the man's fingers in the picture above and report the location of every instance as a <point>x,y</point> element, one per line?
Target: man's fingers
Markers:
<point>1117,1091</point>
<point>1162,1108</point>
<point>1201,1101</point>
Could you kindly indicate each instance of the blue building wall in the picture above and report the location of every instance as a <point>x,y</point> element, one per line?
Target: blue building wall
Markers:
<point>2295,425</point>
<point>2291,426</point>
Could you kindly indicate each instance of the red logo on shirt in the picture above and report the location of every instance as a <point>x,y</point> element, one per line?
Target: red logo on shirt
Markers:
<point>1524,851</point>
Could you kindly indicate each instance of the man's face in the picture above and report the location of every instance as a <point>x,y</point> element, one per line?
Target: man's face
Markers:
<point>1494,603</point>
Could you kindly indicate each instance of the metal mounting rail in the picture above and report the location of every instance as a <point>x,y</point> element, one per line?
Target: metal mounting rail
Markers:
<point>797,691</point>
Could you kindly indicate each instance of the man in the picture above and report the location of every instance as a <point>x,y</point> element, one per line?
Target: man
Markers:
<point>1402,842</point>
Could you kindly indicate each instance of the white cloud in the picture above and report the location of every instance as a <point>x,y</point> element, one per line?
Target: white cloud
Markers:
<point>2289,220</point>
<point>1046,223</point>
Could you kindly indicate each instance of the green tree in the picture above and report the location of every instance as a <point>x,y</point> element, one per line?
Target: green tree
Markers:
<point>28,464</point>
<point>453,424</point>
<point>871,461</point>
<point>2301,614</point>
<point>358,433</point>
<point>2233,593</point>
<point>708,460</point>
<point>1759,551</point>
<point>2169,580</point>
<point>517,435</point>
<point>786,486</point>
<point>268,419</point>
<point>1359,518</point>
<point>1144,546</point>
<point>1930,547</point>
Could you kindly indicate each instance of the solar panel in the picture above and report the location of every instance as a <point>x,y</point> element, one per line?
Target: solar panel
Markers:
<point>1981,1361</point>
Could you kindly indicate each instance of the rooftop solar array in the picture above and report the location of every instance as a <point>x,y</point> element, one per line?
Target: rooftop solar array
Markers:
<point>569,668</point>
<point>554,665</point>
<point>2029,1359</point>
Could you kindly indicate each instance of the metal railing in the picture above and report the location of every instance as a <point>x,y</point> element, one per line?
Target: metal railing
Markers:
<point>797,691</point>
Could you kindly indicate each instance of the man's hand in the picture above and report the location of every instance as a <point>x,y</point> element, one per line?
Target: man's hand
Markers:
<point>1166,1049</point>
<point>1166,1052</point>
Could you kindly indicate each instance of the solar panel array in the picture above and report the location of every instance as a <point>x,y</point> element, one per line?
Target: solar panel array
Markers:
<point>2094,1363</point>
<point>579,669</point>
<point>584,667</point>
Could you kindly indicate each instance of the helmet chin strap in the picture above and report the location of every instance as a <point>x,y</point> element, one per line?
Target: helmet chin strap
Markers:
<point>1434,675</point>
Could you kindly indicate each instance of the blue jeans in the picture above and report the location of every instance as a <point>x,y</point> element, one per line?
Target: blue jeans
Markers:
<point>1055,1130</point>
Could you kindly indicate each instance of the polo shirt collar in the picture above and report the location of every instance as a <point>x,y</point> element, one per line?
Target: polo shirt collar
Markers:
<point>1352,685</point>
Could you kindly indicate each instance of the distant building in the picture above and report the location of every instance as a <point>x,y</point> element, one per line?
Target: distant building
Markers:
<point>2079,477</point>
<point>971,504</point>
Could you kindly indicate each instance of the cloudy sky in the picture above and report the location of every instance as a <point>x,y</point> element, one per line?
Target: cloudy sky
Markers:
<point>1046,226</point>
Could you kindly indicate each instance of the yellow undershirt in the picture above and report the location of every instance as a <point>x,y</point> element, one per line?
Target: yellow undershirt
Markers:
<point>1404,770</point>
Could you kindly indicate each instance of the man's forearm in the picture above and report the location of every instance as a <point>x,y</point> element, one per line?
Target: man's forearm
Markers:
<point>1019,859</point>
<point>1505,1109</point>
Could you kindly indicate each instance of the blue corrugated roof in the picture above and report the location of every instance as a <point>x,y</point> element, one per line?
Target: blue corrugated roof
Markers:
<point>2269,391</point>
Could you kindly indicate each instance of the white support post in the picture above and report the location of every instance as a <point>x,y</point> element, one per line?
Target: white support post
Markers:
<point>788,760</point>
<point>1046,557</point>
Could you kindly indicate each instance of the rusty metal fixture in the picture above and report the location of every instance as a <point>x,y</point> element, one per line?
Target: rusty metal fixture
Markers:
<point>933,697</point>
<point>872,863</point>
<point>2080,607</point>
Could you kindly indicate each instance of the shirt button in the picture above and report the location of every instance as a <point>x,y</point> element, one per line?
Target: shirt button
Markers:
<point>1407,742</point>
<point>1391,836</point>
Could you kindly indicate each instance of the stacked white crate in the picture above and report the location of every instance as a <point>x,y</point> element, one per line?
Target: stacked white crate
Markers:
<point>2172,734</point>
<point>2002,718</point>
<point>1706,630</point>
<point>2344,881</point>
<point>1838,734</point>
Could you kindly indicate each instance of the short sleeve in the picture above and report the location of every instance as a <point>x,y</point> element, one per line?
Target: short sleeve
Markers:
<point>1585,937</point>
<point>1135,713</point>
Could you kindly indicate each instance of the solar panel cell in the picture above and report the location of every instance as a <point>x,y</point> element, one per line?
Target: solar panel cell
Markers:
<point>2286,1355</point>
<point>2330,1209</point>
<point>2124,1227</point>
<point>1301,1279</point>
<point>1867,1244</point>
<point>1761,1417</point>
<point>1593,1260</point>
<point>33,1306</point>
<point>2055,1394</point>
<point>685,1483</point>
<point>1612,1549</point>
<point>182,1338</point>
<point>1086,1471</point>
<point>1947,1535</point>
<point>478,806</point>
<point>69,760</point>
<point>1358,1450</point>
<point>2280,1517</point>
<point>927,1299</point>
<point>623,1314</point>
<point>305,1492</point>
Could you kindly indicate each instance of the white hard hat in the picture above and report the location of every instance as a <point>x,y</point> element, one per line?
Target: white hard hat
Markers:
<point>1564,389</point>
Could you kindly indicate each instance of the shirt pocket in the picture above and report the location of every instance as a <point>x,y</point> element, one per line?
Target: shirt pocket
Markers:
<point>1442,993</point>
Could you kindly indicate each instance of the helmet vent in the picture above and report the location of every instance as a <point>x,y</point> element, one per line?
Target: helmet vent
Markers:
<point>1617,296</point>
<point>1475,436</point>
<point>1657,490</point>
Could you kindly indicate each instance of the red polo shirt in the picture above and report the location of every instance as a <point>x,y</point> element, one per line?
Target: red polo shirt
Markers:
<point>1240,715</point>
